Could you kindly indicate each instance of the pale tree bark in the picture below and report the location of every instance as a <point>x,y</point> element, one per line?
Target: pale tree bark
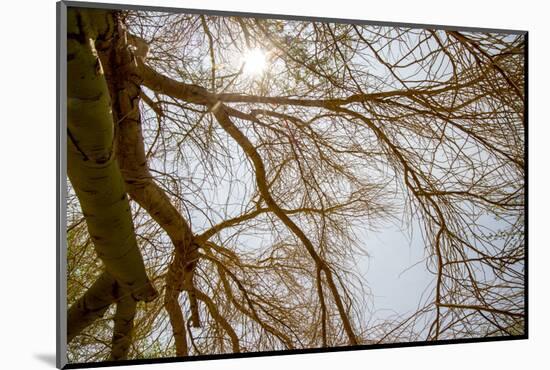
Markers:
<point>91,306</point>
<point>173,308</point>
<point>97,180</point>
<point>124,324</point>
<point>91,162</point>
<point>124,85</point>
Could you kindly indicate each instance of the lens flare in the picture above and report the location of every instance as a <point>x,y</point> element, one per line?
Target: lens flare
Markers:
<point>255,62</point>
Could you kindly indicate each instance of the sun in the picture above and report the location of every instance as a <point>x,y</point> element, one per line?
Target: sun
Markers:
<point>255,62</point>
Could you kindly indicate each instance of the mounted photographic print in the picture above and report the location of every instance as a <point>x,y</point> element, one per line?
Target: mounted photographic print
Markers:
<point>236,184</point>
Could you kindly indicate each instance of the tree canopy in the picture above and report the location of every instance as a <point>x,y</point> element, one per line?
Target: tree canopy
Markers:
<point>223,168</point>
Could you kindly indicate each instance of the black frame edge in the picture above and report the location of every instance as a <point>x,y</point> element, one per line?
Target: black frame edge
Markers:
<point>290,352</point>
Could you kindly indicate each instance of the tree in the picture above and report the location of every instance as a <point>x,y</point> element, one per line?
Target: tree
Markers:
<point>235,160</point>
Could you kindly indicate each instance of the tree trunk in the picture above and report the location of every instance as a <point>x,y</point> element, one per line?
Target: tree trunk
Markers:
<point>91,163</point>
<point>124,84</point>
<point>91,306</point>
<point>124,324</point>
